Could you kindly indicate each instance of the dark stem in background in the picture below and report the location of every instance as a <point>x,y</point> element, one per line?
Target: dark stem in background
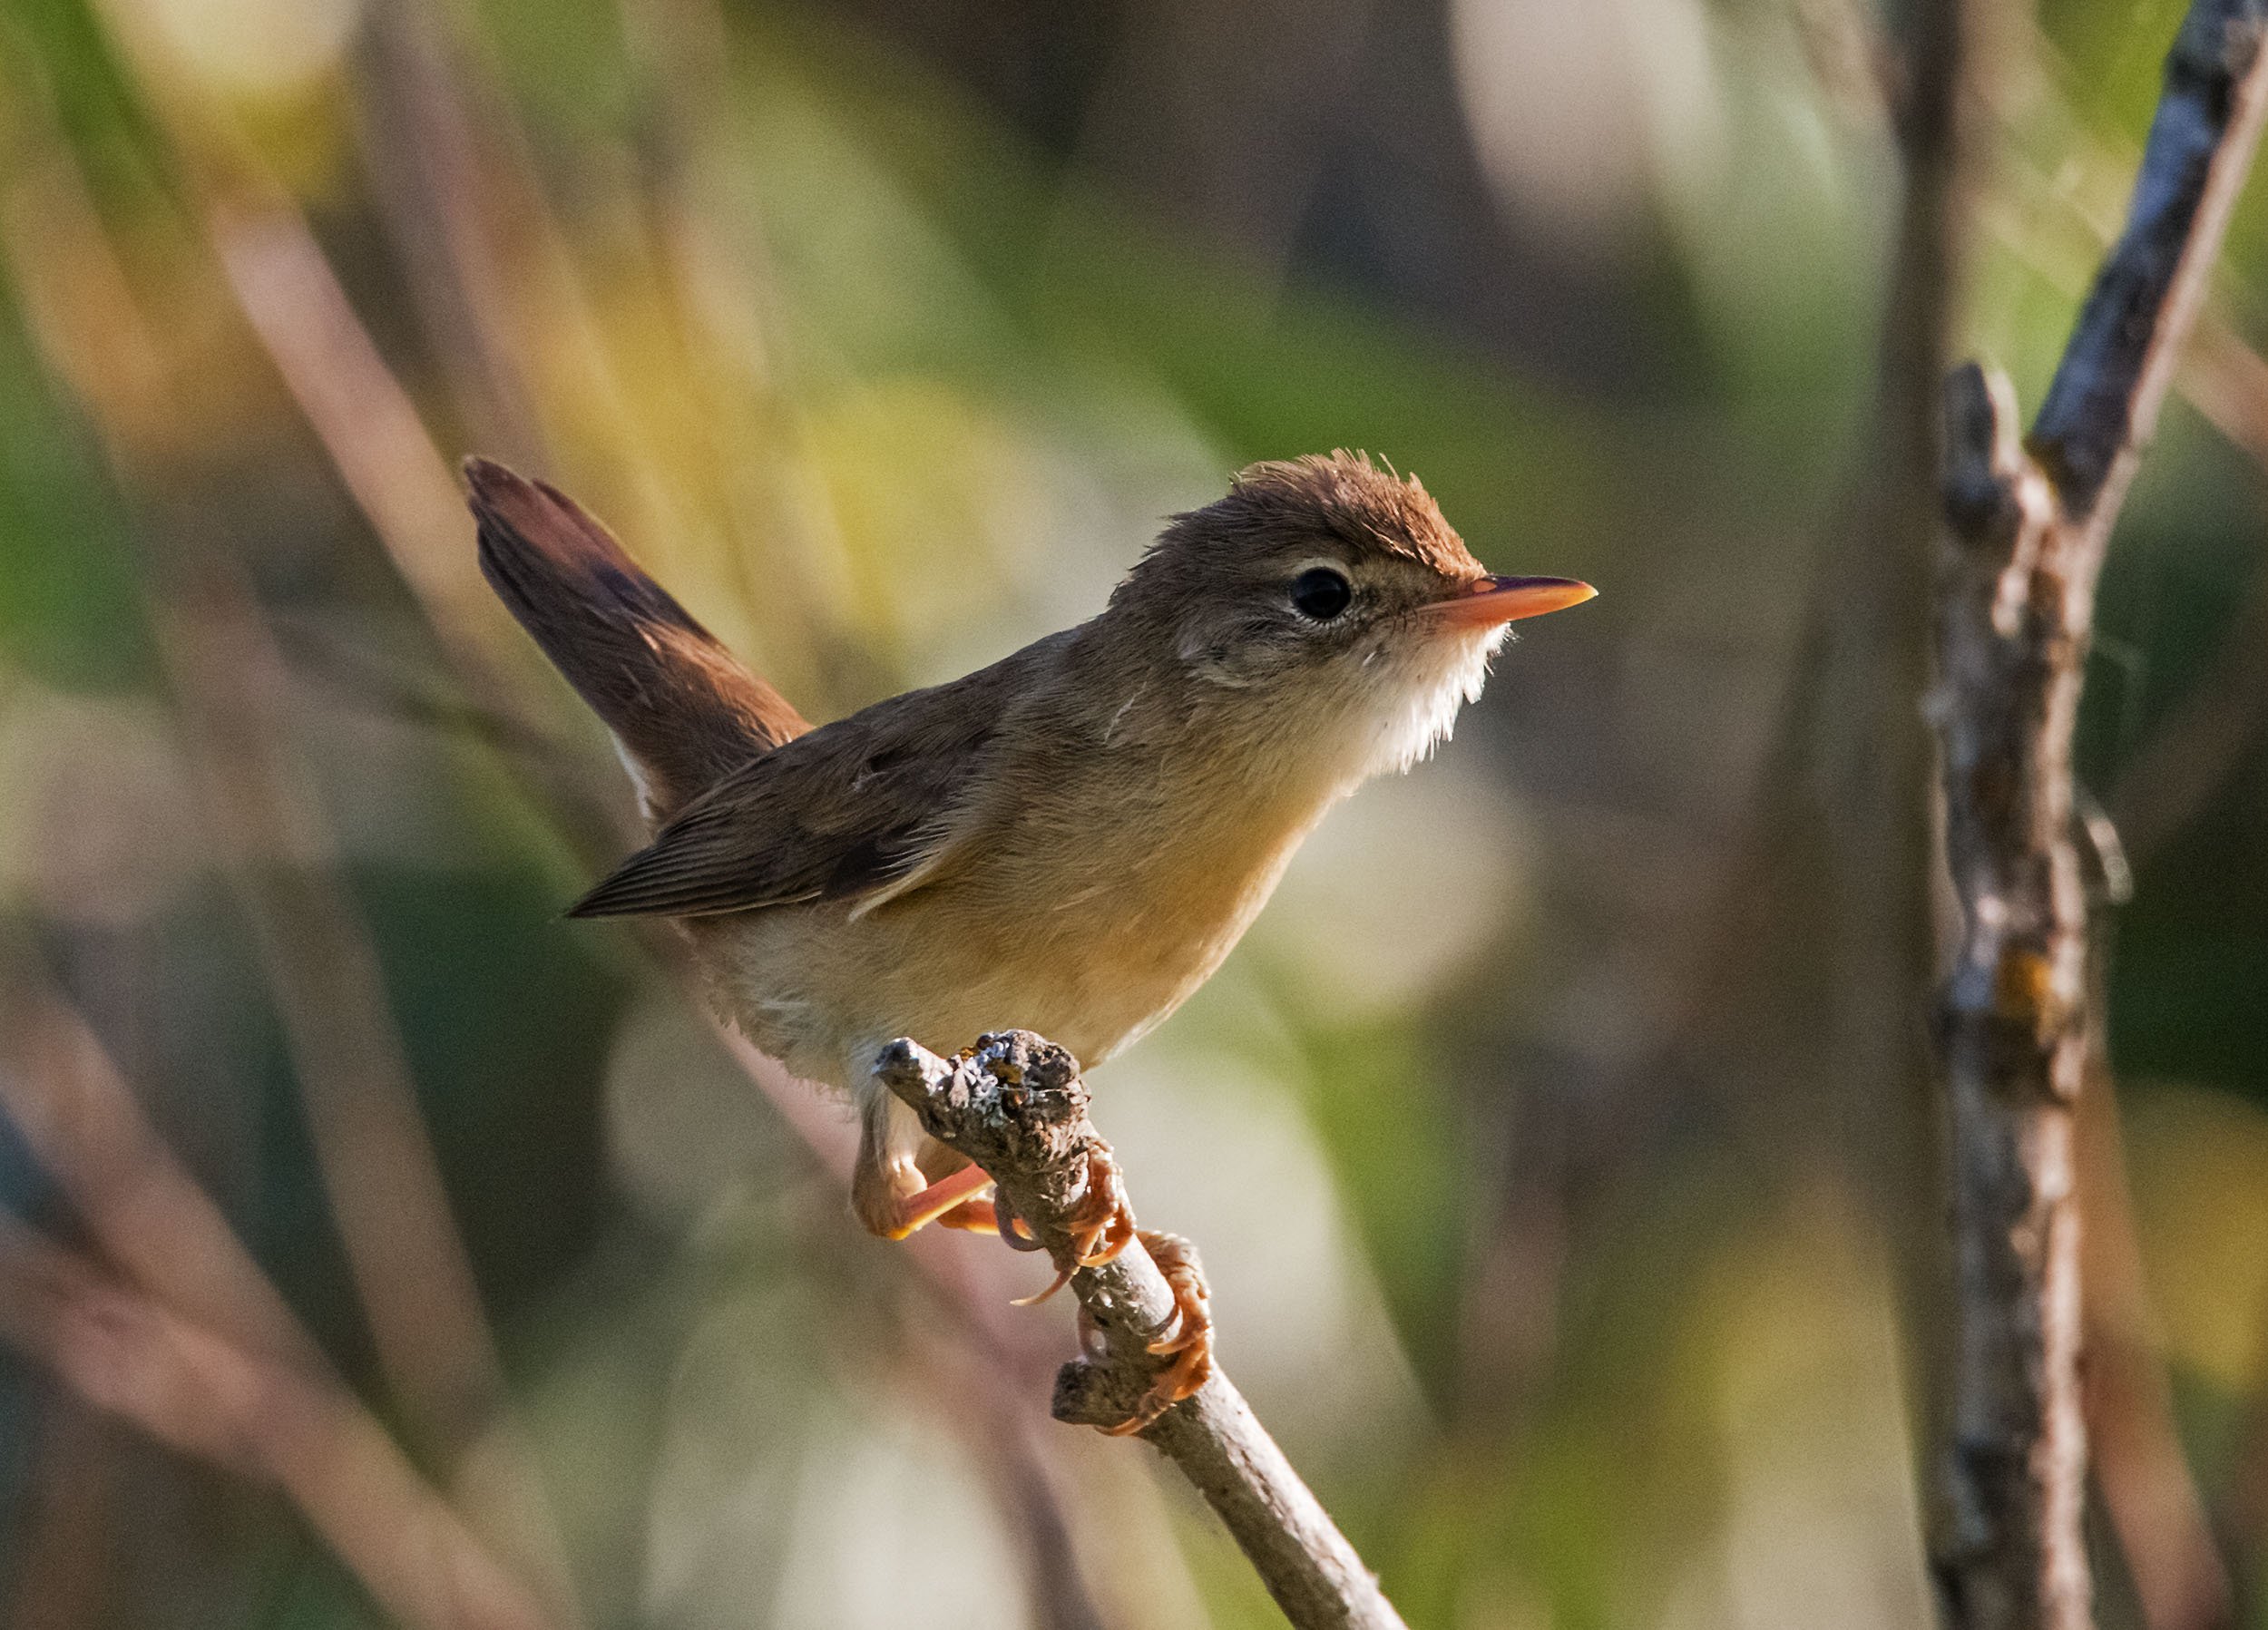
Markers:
<point>1848,816</point>
<point>1017,1107</point>
<point>2025,532</point>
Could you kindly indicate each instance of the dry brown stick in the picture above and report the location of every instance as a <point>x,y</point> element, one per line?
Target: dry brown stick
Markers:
<point>1017,1107</point>
<point>2027,529</point>
<point>264,1419</point>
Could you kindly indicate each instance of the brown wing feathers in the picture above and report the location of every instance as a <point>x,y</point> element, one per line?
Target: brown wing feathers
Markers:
<point>684,710</point>
<point>754,808</point>
<point>842,814</point>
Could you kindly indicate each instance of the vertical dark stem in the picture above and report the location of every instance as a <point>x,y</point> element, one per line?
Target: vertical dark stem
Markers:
<point>2025,534</point>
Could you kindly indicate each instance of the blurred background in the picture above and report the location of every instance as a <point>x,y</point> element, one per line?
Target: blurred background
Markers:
<point>886,332</point>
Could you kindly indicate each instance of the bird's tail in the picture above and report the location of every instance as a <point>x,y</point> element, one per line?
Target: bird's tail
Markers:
<point>683,711</point>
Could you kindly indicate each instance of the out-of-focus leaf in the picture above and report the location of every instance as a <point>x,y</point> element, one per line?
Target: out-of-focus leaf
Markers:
<point>69,608</point>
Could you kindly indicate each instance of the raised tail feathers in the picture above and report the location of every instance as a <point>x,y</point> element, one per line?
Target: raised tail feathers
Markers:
<point>683,710</point>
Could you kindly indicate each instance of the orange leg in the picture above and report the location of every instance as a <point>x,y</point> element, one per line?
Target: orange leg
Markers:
<point>1188,1336</point>
<point>973,1216</point>
<point>947,1195</point>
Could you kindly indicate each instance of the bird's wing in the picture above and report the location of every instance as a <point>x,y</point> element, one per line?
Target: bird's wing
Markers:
<point>865,809</point>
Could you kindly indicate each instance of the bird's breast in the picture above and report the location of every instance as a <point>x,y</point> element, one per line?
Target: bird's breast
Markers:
<point>1088,910</point>
<point>1119,917</point>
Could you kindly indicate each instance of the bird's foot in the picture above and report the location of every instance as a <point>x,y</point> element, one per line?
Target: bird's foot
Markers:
<point>1187,1336</point>
<point>1102,1225</point>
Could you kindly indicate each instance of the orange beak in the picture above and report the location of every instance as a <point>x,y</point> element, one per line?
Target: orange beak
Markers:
<point>1489,601</point>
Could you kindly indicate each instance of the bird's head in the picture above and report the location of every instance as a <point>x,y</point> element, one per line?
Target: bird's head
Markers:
<point>1329,600</point>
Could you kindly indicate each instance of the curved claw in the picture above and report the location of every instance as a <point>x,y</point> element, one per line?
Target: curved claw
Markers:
<point>1100,1227</point>
<point>1188,1334</point>
<point>1062,1278</point>
<point>1103,1226</point>
<point>1013,1228</point>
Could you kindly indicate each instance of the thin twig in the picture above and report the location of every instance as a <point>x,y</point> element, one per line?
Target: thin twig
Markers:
<point>2027,529</point>
<point>1016,1105</point>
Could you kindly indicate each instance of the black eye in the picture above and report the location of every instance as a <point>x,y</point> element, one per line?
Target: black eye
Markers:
<point>1321,593</point>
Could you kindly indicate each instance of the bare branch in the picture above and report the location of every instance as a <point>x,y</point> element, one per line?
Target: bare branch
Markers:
<point>2026,535</point>
<point>1017,1107</point>
<point>2103,404</point>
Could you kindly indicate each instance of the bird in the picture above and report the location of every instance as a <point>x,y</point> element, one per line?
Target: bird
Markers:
<point>1069,841</point>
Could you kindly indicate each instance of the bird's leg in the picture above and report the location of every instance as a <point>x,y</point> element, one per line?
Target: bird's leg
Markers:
<point>974,1215</point>
<point>890,1192</point>
<point>949,1200</point>
<point>1188,1335</point>
<point>978,1214</point>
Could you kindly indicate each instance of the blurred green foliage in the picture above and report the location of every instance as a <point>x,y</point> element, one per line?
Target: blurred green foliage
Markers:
<point>887,365</point>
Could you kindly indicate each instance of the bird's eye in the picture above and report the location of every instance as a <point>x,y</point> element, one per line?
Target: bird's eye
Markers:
<point>1321,593</point>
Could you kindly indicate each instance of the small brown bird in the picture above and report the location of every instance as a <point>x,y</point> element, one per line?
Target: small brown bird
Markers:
<point>1069,841</point>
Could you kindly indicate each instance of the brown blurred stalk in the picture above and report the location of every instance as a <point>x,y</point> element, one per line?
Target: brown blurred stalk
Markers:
<point>200,1344</point>
<point>266,824</point>
<point>378,1167</point>
<point>264,1419</point>
<point>81,1120</point>
<point>1848,839</point>
<point>410,1268</point>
